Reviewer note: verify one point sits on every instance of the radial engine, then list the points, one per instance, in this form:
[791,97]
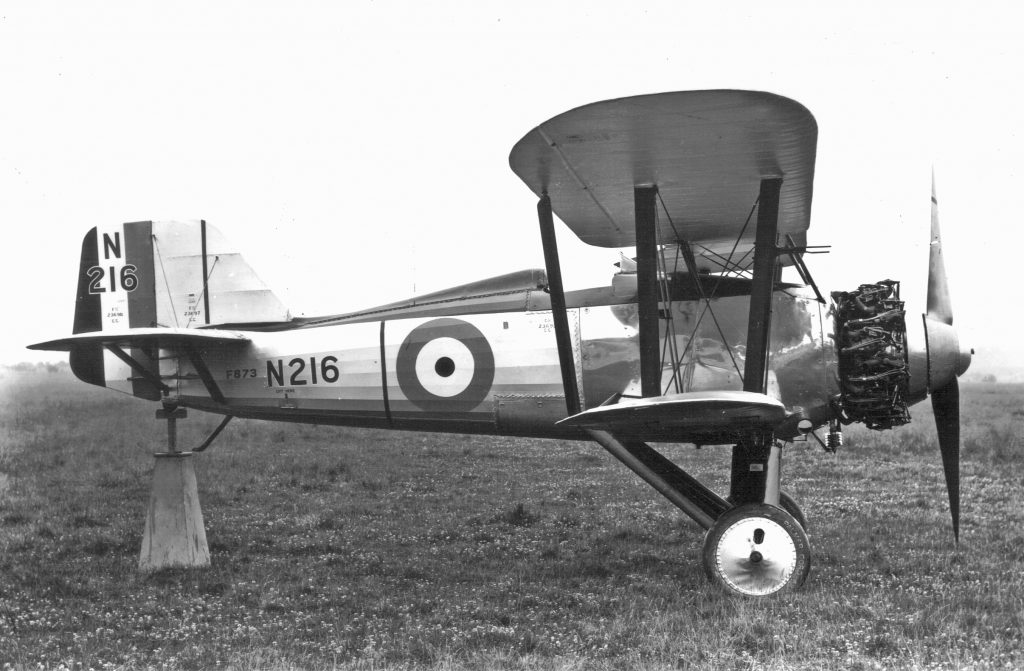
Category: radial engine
[874,367]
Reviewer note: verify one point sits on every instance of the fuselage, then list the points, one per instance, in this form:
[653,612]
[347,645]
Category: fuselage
[483,359]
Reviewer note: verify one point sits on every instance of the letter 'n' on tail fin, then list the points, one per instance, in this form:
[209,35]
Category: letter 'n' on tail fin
[152,274]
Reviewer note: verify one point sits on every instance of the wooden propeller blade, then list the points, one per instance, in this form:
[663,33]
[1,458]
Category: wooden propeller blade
[946,404]
[940,307]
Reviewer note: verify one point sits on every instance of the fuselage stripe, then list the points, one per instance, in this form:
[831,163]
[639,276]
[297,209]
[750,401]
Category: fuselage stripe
[138,252]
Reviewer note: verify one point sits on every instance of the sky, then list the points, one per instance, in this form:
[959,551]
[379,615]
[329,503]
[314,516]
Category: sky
[357,152]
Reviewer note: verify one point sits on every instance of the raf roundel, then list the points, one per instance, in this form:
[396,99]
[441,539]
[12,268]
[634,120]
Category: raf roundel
[445,365]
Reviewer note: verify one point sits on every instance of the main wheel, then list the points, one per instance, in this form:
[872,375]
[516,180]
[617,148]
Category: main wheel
[757,550]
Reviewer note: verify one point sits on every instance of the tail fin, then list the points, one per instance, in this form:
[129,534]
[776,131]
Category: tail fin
[167,273]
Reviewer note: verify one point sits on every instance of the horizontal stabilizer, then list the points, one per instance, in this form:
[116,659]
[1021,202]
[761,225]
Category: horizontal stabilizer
[166,338]
[689,416]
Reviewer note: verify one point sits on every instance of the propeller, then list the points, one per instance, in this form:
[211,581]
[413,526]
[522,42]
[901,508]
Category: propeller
[946,361]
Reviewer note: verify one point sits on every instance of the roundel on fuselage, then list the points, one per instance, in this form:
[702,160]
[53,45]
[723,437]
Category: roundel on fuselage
[445,365]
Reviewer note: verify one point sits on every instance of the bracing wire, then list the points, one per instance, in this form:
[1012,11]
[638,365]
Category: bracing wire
[670,330]
[707,309]
[206,283]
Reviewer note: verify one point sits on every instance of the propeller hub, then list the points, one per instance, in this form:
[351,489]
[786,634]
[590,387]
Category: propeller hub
[964,360]
[936,356]
[943,353]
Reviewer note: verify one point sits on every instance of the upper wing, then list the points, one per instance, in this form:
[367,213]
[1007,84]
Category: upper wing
[706,151]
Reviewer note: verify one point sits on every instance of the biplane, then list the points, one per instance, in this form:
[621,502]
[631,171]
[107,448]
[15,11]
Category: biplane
[697,338]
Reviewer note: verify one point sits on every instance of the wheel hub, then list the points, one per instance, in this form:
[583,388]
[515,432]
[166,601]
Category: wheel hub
[752,567]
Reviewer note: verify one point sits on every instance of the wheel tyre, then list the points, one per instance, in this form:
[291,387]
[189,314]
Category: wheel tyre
[787,503]
[757,550]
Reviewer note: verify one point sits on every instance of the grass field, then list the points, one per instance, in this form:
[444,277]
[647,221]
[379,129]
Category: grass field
[345,548]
